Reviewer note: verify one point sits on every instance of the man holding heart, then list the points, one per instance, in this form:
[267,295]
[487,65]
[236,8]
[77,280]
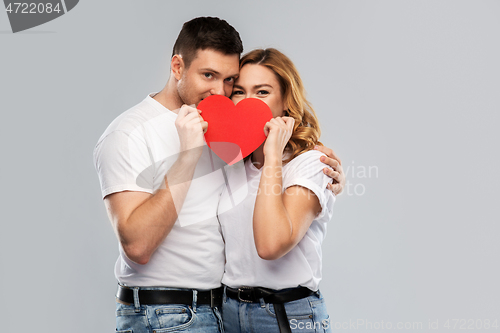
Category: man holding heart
[161,184]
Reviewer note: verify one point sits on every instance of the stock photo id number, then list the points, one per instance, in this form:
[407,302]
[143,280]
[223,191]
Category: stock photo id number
[26,15]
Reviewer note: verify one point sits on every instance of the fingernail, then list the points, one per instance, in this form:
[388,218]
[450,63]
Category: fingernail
[322,158]
[316,147]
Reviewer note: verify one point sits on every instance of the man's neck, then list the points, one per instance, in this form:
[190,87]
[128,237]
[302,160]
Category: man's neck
[169,97]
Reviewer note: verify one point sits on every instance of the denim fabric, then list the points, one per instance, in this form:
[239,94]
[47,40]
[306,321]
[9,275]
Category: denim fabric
[305,315]
[169,318]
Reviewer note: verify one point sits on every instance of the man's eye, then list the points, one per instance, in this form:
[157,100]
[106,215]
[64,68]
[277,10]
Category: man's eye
[230,80]
[209,75]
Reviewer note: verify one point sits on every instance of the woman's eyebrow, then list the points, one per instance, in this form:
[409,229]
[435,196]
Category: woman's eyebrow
[258,86]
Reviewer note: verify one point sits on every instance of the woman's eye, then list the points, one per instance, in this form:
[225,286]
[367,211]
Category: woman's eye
[262,92]
[238,92]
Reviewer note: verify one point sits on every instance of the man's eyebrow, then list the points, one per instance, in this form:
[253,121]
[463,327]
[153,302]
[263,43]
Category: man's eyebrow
[209,70]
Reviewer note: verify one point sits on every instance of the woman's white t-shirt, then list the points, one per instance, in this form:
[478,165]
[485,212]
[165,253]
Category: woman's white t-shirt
[299,267]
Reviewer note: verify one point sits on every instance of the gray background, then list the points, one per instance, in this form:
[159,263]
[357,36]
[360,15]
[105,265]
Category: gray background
[409,88]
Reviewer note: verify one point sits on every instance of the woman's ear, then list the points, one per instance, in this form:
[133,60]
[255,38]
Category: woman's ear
[177,66]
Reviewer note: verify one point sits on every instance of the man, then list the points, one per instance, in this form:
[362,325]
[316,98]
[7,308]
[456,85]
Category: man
[161,185]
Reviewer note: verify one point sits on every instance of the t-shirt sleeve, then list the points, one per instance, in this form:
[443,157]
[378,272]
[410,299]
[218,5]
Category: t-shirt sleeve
[306,170]
[123,163]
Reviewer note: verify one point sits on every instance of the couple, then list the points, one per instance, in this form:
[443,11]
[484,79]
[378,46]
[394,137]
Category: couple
[179,236]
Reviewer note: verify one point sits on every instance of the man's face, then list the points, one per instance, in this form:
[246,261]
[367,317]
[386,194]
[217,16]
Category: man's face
[210,73]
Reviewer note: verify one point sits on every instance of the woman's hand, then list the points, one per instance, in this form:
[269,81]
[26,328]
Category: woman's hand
[278,131]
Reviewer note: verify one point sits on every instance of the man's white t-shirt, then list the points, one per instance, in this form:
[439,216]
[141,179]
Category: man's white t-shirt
[299,267]
[134,154]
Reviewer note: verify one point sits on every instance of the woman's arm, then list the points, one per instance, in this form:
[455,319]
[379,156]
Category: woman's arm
[280,220]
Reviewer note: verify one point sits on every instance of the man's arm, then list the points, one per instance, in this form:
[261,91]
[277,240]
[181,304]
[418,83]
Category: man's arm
[141,220]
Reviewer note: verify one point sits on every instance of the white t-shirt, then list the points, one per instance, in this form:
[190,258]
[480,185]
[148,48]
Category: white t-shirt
[299,267]
[134,154]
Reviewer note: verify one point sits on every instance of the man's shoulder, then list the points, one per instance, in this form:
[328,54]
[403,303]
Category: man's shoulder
[134,117]
[137,119]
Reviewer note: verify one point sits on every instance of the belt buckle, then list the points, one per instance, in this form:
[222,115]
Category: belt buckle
[239,294]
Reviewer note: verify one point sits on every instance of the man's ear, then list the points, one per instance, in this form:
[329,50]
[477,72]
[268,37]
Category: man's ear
[177,66]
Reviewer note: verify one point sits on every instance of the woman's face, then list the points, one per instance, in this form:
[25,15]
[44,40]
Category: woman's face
[259,82]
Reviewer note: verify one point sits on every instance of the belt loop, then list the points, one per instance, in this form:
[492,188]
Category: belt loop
[224,296]
[195,299]
[262,303]
[136,299]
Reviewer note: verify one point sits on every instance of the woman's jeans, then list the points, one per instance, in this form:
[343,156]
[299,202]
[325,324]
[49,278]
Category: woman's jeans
[304,315]
[170,318]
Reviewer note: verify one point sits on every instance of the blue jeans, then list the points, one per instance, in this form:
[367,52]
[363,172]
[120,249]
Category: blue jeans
[169,318]
[304,315]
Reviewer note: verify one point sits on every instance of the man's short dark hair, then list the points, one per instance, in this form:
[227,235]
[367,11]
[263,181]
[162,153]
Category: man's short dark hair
[206,33]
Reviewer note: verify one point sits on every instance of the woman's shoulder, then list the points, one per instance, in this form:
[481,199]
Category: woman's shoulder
[306,170]
[306,165]
[310,157]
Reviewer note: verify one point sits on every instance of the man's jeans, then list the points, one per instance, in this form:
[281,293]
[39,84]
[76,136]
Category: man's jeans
[162,318]
[304,315]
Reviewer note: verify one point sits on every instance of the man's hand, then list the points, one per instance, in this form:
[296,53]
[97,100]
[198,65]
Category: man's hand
[191,127]
[337,174]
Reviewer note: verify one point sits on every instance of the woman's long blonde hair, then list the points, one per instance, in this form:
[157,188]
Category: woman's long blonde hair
[306,131]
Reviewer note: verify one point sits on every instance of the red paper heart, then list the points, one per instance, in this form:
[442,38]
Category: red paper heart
[234,131]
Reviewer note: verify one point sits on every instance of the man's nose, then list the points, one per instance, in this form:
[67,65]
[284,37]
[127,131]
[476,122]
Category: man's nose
[218,88]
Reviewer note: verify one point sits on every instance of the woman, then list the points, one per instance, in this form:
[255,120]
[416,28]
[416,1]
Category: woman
[273,237]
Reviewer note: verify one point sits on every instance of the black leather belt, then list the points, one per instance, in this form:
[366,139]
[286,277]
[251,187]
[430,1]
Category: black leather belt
[254,294]
[211,297]
[277,298]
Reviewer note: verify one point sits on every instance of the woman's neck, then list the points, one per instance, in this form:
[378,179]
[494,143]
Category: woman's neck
[258,157]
